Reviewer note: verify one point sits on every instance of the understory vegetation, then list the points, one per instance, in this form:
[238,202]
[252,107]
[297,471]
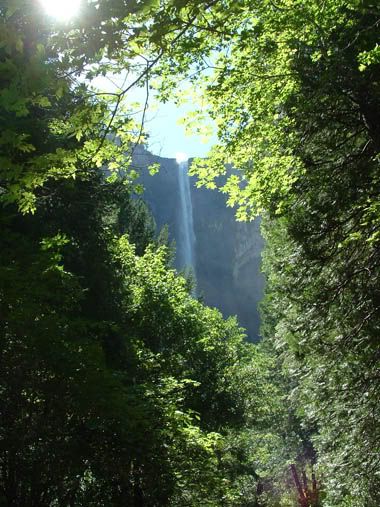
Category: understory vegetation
[117,386]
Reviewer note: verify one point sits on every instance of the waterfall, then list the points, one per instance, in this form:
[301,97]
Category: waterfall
[186,256]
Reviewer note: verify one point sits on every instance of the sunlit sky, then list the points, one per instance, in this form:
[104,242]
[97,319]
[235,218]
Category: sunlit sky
[167,136]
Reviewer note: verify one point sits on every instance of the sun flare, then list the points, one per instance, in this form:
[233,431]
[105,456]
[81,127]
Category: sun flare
[61,9]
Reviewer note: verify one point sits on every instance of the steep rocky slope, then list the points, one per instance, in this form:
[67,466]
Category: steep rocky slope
[227,253]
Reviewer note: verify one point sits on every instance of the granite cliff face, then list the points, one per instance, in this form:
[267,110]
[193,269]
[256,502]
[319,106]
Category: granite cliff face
[227,254]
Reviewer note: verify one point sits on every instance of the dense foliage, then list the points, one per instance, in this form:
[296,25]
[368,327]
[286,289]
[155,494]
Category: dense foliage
[295,95]
[117,387]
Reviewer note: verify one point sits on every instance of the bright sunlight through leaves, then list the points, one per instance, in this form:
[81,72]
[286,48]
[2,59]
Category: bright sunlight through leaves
[61,9]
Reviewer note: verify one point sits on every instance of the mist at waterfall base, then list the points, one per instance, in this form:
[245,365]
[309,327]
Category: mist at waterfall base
[221,254]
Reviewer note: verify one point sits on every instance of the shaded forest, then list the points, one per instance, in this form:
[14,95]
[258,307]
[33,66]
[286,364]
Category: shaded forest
[117,386]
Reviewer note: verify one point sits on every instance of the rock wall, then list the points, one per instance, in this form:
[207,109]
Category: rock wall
[227,253]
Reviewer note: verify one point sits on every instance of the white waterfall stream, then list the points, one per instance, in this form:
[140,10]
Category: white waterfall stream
[186,254]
